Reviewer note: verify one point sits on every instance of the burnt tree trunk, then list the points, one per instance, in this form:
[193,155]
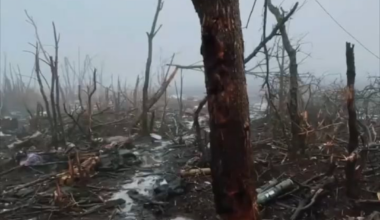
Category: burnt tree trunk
[231,154]
[351,178]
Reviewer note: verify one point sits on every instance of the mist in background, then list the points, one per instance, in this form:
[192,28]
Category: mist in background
[113,33]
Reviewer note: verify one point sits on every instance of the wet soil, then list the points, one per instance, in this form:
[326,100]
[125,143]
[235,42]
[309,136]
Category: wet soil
[163,161]
[272,163]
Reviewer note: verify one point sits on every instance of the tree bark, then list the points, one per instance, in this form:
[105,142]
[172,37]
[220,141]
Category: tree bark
[352,182]
[231,164]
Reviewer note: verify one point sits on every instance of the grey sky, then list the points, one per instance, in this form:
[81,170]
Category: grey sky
[114,32]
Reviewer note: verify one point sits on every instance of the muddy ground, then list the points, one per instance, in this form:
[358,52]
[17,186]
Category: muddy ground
[153,188]
[197,202]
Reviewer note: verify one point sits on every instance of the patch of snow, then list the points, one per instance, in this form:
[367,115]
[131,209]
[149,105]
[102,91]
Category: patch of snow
[177,97]
[155,136]
[260,106]
[141,182]
[4,135]
[143,185]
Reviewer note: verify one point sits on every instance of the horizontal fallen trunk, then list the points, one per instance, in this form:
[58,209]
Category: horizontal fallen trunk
[204,171]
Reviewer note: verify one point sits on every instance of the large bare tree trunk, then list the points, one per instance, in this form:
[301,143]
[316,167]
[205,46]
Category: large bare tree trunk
[231,163]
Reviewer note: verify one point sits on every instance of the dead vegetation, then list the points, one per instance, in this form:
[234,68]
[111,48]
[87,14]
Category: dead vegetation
[311,153]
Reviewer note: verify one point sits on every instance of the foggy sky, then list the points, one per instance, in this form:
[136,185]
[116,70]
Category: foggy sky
[114,32]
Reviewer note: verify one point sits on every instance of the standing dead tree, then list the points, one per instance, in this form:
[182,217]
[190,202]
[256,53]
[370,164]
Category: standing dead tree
[58,135]
[83,118]
[202,148]
[39,79]
[179,94]
[270,95]
[90,93]
[153,32]
[352,182]
[281,64]
[54,71]
[135,91]
[161,79]
[298,137]
[231,164]
[156,96]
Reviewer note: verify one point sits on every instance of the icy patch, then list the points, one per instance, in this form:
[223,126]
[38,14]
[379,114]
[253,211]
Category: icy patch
[163,145]
[4,135]
[260,106]
[148,160]
[143,185]
[156,136]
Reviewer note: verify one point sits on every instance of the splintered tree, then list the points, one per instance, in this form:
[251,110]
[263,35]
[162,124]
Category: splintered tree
[222,50]
[352,182]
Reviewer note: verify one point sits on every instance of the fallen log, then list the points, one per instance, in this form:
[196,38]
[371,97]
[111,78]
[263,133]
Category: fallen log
[25,142]
[204,171]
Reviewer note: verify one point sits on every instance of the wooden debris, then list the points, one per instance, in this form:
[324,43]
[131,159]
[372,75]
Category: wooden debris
[200,171]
